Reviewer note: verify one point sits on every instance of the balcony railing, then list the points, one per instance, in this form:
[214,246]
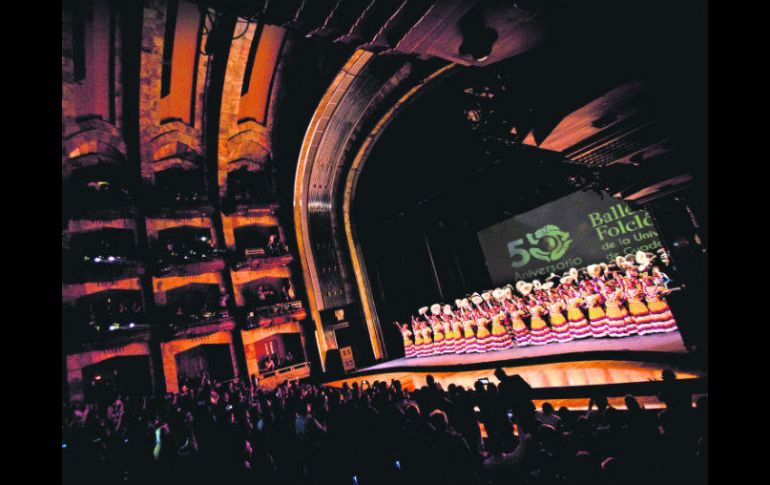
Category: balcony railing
[257,257]
[77,268]
[160,199]
[176,261]
[86,200]
[267,316]
[251,197]
[105,331]
[178,322]
[271,379]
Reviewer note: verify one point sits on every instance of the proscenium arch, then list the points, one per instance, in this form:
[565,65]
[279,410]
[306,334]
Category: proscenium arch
[361,101]
[351,183]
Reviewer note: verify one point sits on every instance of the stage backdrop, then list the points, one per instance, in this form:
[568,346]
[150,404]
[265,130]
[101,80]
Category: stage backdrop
[574,231]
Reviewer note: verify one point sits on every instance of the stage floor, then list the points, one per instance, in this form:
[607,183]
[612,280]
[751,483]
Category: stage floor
[581,363]
[662,342]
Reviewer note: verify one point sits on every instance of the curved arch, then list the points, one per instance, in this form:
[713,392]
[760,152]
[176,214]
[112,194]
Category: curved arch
[247,153]
[351,182]
[315,131]
[91,153]
[362,90]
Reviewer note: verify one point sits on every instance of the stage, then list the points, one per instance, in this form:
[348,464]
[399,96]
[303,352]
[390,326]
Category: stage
[569,370]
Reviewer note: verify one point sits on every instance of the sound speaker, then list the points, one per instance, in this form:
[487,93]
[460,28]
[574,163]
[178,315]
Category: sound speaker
[334,362]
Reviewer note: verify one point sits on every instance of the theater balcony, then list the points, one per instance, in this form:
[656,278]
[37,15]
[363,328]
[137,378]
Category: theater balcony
[258,246]
[266,298]
[98,191]
[100,251]
[248,187]
[194,309]
[177,190]
[185,250]
[279,357]
[105,319]
[274,315]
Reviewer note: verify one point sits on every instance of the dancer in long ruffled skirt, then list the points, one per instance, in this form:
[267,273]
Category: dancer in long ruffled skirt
[459,337]
[597,319]
[501,338]
[470,337]
[559,324]
[439,342]
[662,318]
[427,340]
[616,317]
[641,321]
[409,351]
[419,345]
[520,330]
[539,331]
[446,326]
[484,340]
[500,334]
[578,324]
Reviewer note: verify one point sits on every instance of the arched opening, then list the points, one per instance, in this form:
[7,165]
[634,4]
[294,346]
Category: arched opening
[180,186]
[504,139]
[101,186]
[194,304]
[103,253]
[514,137]
[213,360]
[278,352]
[184,244]
[104,316]
[117,376]
[250,183]
[255,240]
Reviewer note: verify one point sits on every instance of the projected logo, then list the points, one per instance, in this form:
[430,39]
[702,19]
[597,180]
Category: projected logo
[549,243]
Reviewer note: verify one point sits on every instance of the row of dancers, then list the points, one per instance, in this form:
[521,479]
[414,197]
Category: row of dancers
[619,299]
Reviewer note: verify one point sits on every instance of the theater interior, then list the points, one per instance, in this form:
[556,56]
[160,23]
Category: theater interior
[256,190]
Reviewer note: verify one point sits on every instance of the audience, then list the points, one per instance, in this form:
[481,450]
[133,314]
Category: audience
[215,432]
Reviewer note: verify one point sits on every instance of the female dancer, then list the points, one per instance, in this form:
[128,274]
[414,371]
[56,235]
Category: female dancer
[407,335]
[597,319]
[662,318]
[559,325]
[639,315]
[437,330]
[469,336]
[484,341]
[500,336]
[439,340]
[520,330]
[578,325]
[457,332]
[419,345]
[427,340]
[616,317]
[539,332]
[446,325]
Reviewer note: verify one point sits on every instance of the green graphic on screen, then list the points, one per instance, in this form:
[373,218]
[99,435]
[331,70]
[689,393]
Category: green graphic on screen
[574,231]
